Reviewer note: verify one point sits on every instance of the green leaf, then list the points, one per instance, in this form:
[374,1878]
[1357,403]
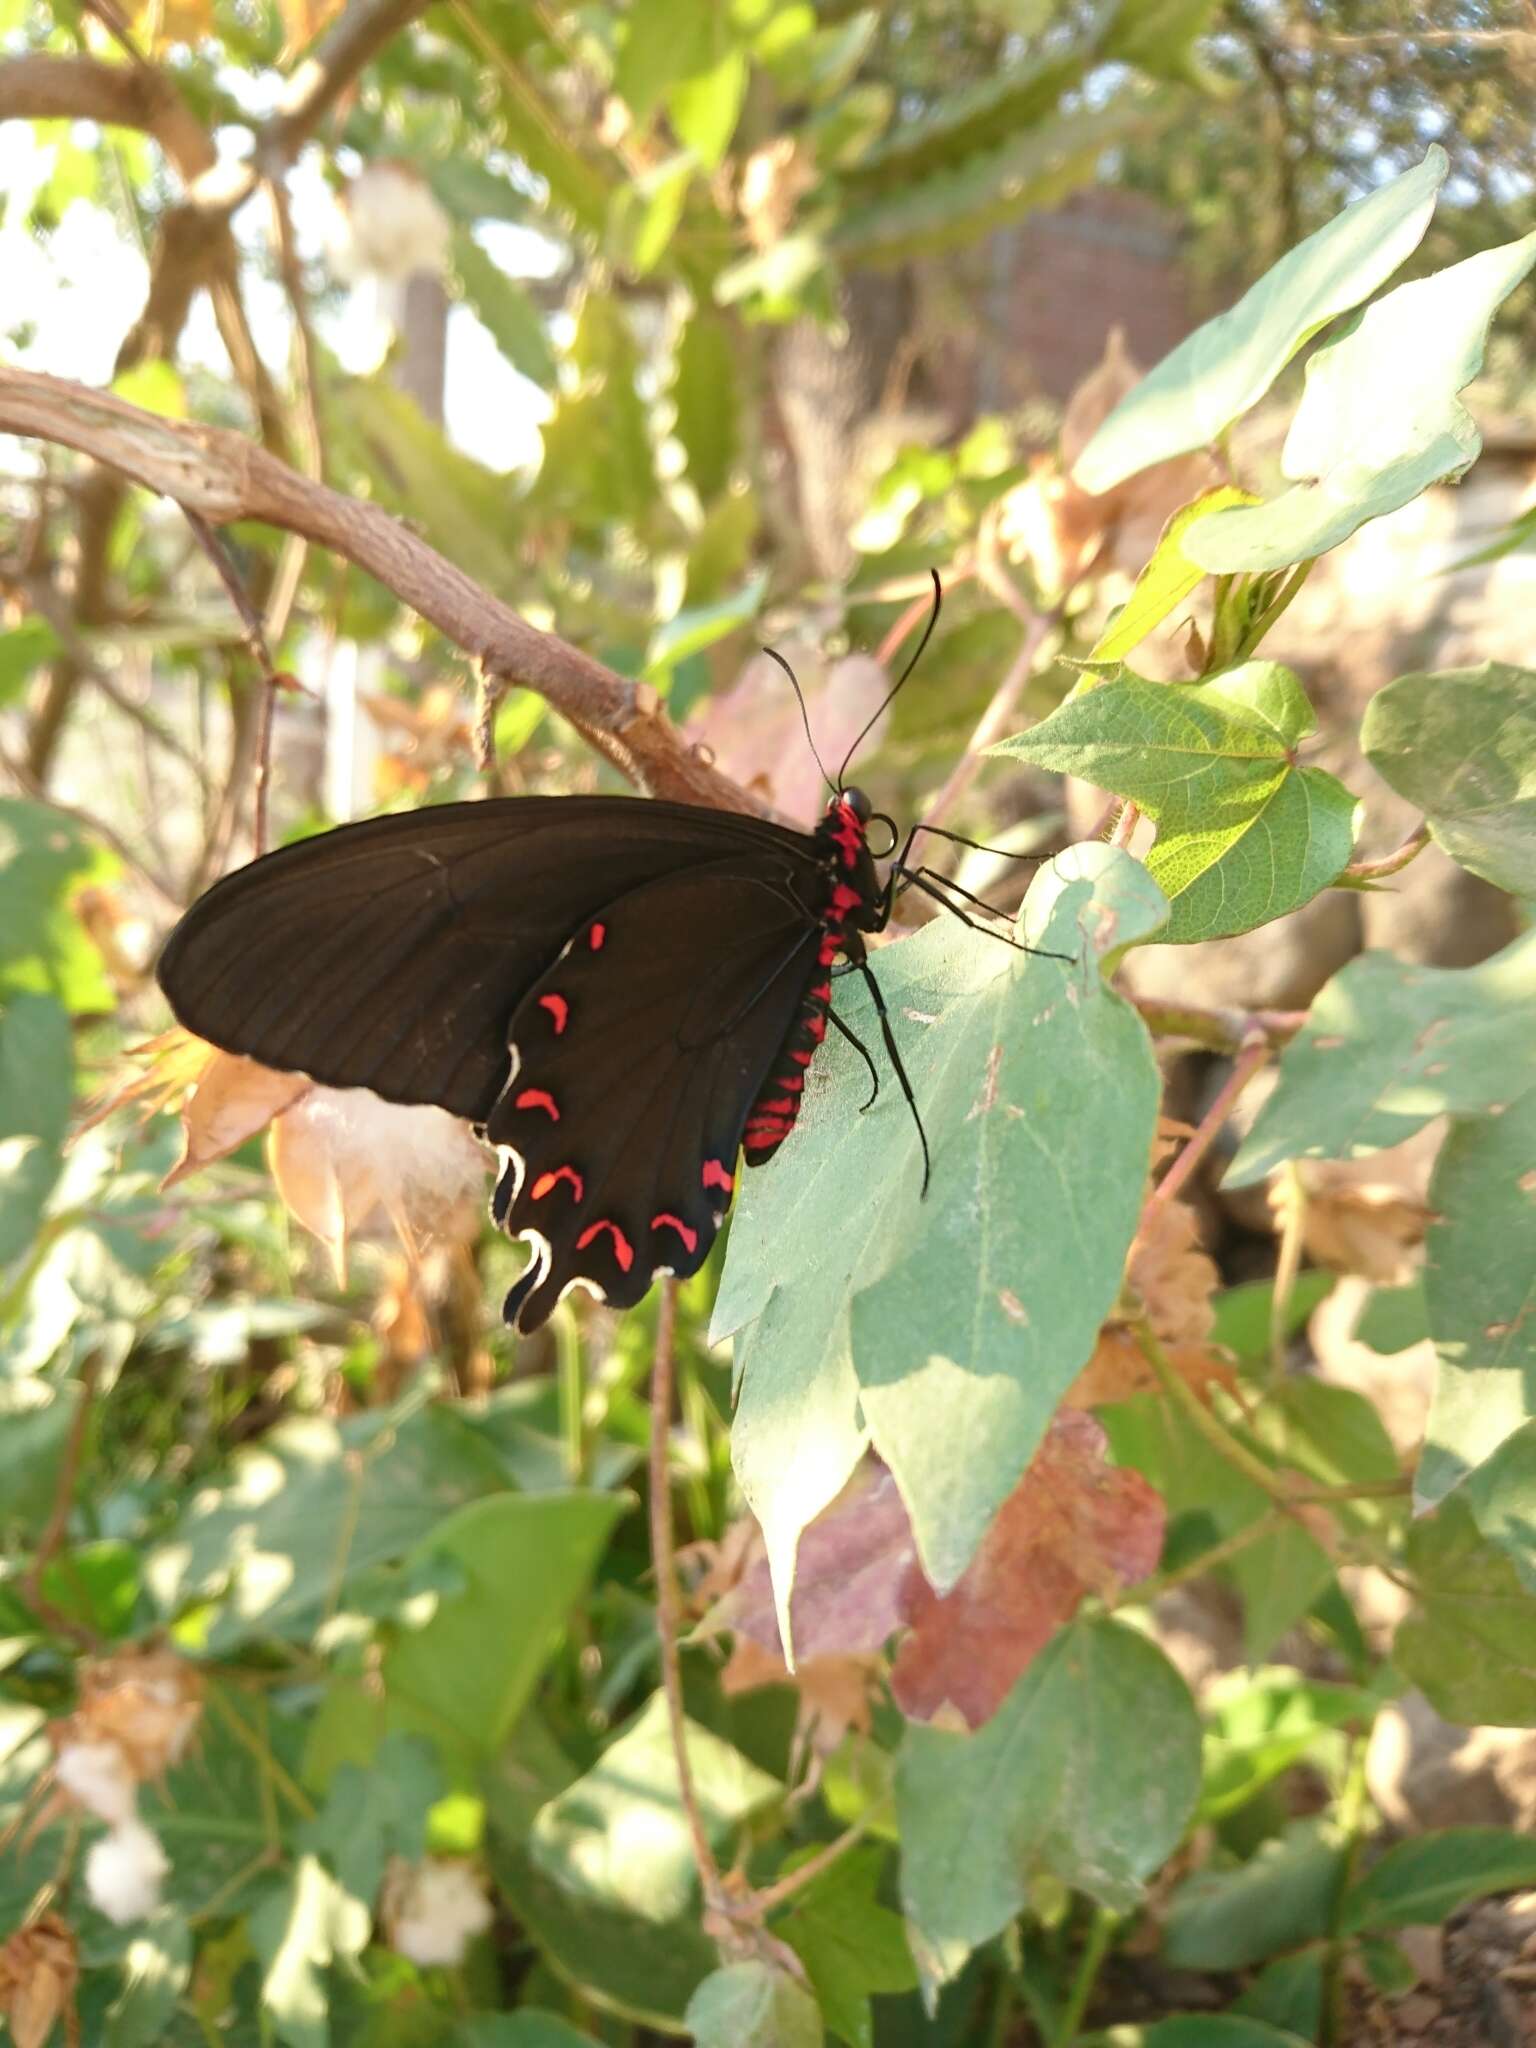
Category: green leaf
[1211,2030]
[1460,744]
[1387,1046]
[1480,1291]
[1501,1494]
[1244,834]
[850,1944]
[956,1323]
[1421,1882]
[297,1932]
[1467,1644]
[1212,378]
[523,2029]
[316,1504]
[691,631]
[662,43]
[1158,37]
[598,464]
[1243,1312]
[505,308]
[1379,420]
[753,2005]
[373,1814]
[619,1835]
[643,215]
[1394,1319]
[156,1966]
[37,1073]
[1287,1994]
[1280,1898]
[705,106]
[526,1559]
[706,401]
[35,1421]
[24,649]
[45,859]
[1163,584]
[1088,1773]
[1259,1723]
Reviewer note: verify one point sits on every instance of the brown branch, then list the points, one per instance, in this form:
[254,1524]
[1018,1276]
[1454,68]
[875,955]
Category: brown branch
[44,87]
[1249,1060]
[350,45]
[226,477]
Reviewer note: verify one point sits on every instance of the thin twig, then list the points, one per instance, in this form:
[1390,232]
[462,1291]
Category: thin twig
[1390,864]
[1248,1062]
[772,1896]
[668,1604]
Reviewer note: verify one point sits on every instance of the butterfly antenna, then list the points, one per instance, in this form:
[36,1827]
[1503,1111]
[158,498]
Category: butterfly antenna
[805,717]
[933,620]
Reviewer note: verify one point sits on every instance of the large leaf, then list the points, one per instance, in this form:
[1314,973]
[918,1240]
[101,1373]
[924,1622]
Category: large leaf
[1502,1494]
[525,1559]
[1163,584]
[1387,1046]
[1244,834]
[1467,1642]
[506,308]
[1088,1774]
[310,1509]
[957,1322]
[1227,1919]
[1480,1291]
[37,1070]
[45,860]
[1379,420]
[619,1837]
[1422,1882]
[1460,743]
[1223,368]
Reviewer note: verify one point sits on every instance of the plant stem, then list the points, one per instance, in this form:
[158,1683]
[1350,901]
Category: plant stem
[1249,1060]
[1125,824]
[1225,1031]
[1101,1933]
[1389,864]
[772,1896]
[572,1394]
[1287,1268]
[663,1561]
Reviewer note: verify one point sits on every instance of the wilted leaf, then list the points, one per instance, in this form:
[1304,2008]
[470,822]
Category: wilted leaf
[836,1694]
[1365,1216]
[1244,834]
[1227,365]
[1460,745]
[1073,1526]
[39,1971]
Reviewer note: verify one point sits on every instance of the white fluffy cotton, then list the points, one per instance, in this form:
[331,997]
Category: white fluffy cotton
[96,1776]
[124,1870]
[441,1907]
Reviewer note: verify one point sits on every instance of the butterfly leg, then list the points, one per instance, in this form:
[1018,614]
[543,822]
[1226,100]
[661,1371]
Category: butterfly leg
[863,1052]
[932,885]
[894,1054]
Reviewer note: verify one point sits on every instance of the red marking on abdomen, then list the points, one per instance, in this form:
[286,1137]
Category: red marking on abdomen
[715,1175]
[547,1181]
[623,1250]
[690,1237]
[558,1008]
[537,1098]
[596,936]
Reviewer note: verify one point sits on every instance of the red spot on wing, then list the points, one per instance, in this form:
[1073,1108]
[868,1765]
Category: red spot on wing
[689,1236]
[623,1250]
[799,1056]
[715,1175]
[537,1098]
[596,936]
[559,1010]
[548,1181]
[844,899]
[822,992]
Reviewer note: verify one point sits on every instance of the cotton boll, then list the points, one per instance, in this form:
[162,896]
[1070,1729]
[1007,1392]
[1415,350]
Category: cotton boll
[434,1909]
[96,1776]
[392,227]
[123,1872]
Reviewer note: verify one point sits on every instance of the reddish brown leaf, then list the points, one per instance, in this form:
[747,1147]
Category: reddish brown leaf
[836,1693]
[1171,1276]
[853,1562]
[1119,1368]
[1072,1526]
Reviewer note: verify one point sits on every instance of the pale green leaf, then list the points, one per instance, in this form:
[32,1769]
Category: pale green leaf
[643,214]
[1088,1773]
[956,1322]
[1467,1644]
[1460,744]
[1421,1882]
[1244,834]
[24,649]
[619,1836]
[691,631]
[1379,420]
[706,401]
[1480,1292]
[505,308]
[1226,366]
[850,1944]
[37,1071]
[662,43]
[1163,584]
[1388,1045]
[35,1421]
[1159,37]
[373,1813]
[753,2005]
[45,860]
[705,107]
[1278,1899]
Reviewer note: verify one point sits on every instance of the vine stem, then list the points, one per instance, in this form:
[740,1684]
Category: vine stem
[1253,1056]
[664,1562]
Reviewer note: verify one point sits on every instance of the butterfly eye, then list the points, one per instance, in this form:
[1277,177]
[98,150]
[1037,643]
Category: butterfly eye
[859,804]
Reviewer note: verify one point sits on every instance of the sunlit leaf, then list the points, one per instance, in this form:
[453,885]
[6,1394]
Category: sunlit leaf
[753,2005]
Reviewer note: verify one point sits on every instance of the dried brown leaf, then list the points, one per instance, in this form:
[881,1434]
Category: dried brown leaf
[146,1703]
[39,1970]
[1118,1369]
[223,1099]
[1074,1525]
[1171,1276]
[1365,1216]
[837,1694]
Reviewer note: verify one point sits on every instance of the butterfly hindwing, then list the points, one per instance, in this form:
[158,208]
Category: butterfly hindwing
[636,1060]
[392,954]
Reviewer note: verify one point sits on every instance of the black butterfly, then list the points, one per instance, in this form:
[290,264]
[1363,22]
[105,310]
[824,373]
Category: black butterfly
[623,994]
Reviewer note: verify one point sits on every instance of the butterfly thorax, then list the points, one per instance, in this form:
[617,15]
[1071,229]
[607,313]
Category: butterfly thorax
[852,907]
